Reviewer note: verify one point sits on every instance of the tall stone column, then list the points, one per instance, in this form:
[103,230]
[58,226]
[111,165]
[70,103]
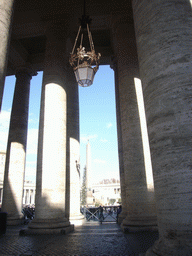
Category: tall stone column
[24,196]
[32,196]
[73,156]
[6,10]
[16,148]
[123,214]
[51,159]
[1,195]
[28,196]
[163,33]
[141,210]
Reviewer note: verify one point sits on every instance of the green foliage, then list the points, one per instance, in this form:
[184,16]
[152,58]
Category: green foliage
[119,200]
[112,201]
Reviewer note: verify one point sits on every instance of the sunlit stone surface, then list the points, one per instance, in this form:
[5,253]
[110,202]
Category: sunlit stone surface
[123,214]
[73,155]
[165,50]
[6,10]
[16,148]
[163,34]
[51,161]
[140,202]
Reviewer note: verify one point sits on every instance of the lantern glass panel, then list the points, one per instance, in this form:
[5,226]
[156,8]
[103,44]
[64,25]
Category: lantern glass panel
[84,76]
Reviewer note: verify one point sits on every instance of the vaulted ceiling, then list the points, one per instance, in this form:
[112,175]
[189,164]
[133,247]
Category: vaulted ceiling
[30,21]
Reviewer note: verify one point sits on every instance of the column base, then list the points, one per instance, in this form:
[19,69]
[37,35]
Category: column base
[121,217]
[142,224]
[14,220]
[169,246]
[77,220]
[49,226]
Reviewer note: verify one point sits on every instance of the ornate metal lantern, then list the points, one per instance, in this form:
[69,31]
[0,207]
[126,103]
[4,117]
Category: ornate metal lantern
[85,63]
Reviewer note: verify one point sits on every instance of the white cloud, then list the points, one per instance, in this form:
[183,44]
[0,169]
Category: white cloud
[103,140]
[4,128]
[5,117]
[32,119]
[31,163]
[84,138]
[32,140]
[32,137]
[99,161]
[109,125]
[30,171]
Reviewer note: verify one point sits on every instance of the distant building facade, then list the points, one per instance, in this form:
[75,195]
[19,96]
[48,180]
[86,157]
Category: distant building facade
[2,166]
[106,194]
[29,189]
[149,46]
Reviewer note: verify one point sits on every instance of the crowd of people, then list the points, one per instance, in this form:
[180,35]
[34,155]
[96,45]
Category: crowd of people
[28,213]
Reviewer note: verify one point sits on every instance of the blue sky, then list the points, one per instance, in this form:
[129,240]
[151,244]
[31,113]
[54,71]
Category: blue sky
[97,123]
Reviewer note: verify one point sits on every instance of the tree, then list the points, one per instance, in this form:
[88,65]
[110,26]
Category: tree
[84,189]
[119,200]
[112,201]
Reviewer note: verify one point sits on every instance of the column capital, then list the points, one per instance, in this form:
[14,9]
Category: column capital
[113,64]
[27,70]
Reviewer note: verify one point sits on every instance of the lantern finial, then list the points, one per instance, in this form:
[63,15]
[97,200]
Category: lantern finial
[85,63]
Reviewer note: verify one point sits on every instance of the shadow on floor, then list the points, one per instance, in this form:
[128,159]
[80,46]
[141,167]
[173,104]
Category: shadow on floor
[92,238]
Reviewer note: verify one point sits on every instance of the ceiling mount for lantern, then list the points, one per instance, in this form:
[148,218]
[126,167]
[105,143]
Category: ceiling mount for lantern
[85,63]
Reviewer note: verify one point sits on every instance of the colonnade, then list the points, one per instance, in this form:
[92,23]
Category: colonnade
[139,200]
[6,8]
[1,195]
[16,147]
[28,196]
[157,50]
[163,35]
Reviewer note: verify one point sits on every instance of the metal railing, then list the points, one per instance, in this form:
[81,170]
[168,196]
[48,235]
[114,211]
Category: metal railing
[102,213]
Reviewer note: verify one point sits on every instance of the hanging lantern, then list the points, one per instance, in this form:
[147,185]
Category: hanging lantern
[85,64]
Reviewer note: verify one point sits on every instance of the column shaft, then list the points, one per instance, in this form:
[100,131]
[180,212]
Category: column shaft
[73,172]
[140,204]
[32,197]
[51,160]
[24,196]
[123,214]
[6,7]
[1,195]
[163,33]
[16,148]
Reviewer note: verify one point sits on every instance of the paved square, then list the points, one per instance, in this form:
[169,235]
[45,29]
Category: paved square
[92,238]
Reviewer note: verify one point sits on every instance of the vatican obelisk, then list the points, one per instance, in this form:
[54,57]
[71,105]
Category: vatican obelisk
[88,175]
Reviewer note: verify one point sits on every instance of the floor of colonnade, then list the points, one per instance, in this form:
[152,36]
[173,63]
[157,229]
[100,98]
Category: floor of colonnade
[92,238]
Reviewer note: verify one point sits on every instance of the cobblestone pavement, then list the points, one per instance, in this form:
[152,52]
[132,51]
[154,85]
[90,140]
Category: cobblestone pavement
[92,238]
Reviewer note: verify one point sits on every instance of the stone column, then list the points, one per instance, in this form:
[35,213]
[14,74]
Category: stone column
[24,196]
[6,10]
[163,33]
[141,211]
[51,159]
[123,214]
[32,196]
[1,195]
[16,148]
[28,196]
[73,157]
